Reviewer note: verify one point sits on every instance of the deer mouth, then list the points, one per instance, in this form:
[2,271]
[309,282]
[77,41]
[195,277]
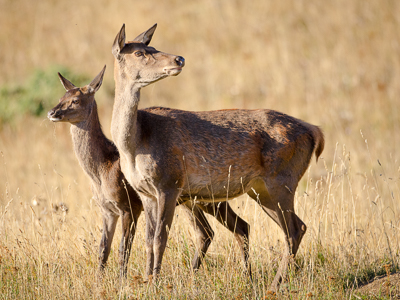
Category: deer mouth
[53,117]
[172,71]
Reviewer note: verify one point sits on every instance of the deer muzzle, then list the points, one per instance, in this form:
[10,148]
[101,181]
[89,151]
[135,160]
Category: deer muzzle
[173,71]
[54,115]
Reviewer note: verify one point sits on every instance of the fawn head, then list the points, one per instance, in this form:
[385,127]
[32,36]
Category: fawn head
[76,105]
[137,62]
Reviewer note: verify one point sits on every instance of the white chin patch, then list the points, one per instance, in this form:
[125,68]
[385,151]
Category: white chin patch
[173,72]
[55,119]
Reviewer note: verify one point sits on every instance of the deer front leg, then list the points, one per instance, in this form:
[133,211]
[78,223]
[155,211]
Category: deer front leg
[109,224]
[150,210]
[166,207]
[129,222]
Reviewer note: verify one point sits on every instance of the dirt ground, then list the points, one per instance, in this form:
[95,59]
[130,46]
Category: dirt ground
[380,288]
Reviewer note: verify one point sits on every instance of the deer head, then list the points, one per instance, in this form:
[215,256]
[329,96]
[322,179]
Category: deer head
[140,64]
[76,105]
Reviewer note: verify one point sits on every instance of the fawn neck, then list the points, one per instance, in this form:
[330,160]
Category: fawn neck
[92,148]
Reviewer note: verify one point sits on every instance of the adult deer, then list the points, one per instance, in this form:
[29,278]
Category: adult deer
[168,154]
[99,158]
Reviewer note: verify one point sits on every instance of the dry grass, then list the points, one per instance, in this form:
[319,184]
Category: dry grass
[334,64]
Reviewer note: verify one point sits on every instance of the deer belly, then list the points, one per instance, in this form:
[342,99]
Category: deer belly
[209,189]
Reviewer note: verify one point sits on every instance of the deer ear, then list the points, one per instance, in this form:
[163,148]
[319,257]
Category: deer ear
[145,37]
[119,42]
[68,85]
[97,81]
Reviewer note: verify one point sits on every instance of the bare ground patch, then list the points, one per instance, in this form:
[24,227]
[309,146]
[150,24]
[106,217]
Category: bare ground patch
[387,287]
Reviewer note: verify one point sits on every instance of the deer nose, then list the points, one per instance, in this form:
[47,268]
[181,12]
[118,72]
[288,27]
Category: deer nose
[53,114]
[50,113]
[180,61]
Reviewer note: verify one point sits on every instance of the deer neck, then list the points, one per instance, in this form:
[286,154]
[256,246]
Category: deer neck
[125,129]
[92,148]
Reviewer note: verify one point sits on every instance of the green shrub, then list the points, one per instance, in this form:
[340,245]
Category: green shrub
[37,94]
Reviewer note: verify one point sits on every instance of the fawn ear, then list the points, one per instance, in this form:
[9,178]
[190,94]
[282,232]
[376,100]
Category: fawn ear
[145,37]
[97,81]
[68,85]
[119,42]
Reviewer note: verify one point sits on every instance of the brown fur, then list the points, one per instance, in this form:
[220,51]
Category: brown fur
[99,158]
[223,154]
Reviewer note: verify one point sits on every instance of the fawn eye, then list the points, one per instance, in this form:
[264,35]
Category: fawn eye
[139,53]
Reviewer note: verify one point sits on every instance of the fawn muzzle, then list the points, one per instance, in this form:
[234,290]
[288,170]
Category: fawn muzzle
[54,115]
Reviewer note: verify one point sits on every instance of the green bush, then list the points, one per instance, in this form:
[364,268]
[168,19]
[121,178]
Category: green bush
[37,94]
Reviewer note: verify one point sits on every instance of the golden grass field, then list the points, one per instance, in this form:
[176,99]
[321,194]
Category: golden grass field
[335,64]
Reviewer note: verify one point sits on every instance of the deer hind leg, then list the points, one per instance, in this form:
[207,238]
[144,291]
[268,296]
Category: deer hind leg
[224,213]
[129,223]
[203,232]
[294,230]
[279,205]
[109,224]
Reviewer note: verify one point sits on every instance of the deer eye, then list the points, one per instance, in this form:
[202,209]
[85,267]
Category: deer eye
[139,53]
[76,101]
